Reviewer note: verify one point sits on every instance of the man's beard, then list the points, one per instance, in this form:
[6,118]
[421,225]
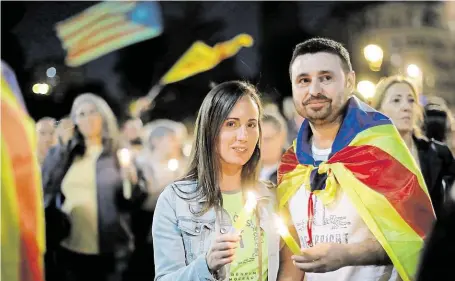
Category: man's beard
[329,113]
[317,116]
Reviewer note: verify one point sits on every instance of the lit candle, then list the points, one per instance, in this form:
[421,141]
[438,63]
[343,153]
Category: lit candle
[287,237]
[245,214]
[125,160]
[173,164]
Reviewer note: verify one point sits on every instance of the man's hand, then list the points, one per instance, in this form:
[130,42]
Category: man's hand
[322,258]
[328,257]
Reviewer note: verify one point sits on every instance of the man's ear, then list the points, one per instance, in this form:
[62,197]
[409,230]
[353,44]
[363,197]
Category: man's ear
[350,81]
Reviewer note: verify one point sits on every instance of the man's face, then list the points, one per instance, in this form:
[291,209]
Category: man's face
[46,135]
[320,87]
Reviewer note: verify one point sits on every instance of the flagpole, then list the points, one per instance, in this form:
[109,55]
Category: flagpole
[154,92]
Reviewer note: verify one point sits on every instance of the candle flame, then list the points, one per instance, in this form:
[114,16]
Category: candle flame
[124,157]
[251,202]
[282,229]
[173,164]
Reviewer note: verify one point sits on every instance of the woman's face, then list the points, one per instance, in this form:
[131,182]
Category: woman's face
[399,104]
[239,134]
[89,120]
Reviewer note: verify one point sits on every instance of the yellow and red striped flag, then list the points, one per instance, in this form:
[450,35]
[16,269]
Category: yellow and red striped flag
[22,211]
[106,27]
[200,57]
[372,165]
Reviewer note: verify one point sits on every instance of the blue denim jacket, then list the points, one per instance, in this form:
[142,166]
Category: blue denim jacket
[182,239]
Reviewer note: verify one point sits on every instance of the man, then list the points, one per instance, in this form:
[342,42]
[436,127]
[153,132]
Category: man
[45,127]
[65,130]
[356,197]
[131,134]
[274,133]
[434,264]
[294,120]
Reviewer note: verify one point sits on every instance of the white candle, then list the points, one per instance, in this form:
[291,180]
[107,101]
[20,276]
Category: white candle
[287,237]
[246,212]
[124,157]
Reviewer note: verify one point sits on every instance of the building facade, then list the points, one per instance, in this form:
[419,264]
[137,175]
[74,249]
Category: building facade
[409,33]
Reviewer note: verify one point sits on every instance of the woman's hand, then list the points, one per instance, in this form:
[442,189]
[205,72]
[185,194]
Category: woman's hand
[222,251]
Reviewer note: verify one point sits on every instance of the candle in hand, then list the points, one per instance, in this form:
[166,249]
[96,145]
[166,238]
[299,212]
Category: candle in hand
[173,164]
[287,237]
[125,161]
[245,214]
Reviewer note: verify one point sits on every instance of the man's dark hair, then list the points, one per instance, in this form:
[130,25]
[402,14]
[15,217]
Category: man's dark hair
[324,45]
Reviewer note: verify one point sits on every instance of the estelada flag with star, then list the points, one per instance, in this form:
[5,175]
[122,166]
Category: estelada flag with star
[106,27]
[372,165]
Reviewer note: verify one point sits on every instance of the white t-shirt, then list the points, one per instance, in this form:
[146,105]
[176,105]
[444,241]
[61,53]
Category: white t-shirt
[267,171]
[338,222]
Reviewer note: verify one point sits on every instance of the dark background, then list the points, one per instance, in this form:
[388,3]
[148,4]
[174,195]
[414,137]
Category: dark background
[30,46]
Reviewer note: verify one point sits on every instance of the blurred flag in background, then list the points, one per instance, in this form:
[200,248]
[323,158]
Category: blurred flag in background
[107,27]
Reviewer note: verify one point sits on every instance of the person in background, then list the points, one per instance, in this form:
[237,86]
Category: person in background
[131,134]
[162,162]
[192,231]
[65,130]
[273,144]
[397,97]
[86,203]
[45,127]
[438,120]
[435,264]
[294,120]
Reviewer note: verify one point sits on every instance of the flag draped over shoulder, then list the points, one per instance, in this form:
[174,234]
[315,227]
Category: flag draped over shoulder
[22,211]
[200,57]
[106,27]
[372,165]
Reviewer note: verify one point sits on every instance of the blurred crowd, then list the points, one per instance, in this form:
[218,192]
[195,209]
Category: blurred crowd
[160,150]
[99,207]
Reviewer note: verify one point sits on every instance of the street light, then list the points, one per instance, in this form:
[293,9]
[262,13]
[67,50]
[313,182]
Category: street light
[413,71]
[40,88]
[366,89]
[374,55]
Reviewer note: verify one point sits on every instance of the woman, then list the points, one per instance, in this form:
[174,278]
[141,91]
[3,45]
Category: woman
[82,184]
[397,98]
[45,128]
[192,228]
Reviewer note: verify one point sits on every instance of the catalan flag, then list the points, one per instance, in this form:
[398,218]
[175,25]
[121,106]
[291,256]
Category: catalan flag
[106,27]
[22,211]
[200,57]
[372,165]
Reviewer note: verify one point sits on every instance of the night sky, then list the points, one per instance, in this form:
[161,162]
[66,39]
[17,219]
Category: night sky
[36,35]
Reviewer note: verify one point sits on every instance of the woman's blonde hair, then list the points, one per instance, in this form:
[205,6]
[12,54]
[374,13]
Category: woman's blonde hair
[380,93]
[110,133]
